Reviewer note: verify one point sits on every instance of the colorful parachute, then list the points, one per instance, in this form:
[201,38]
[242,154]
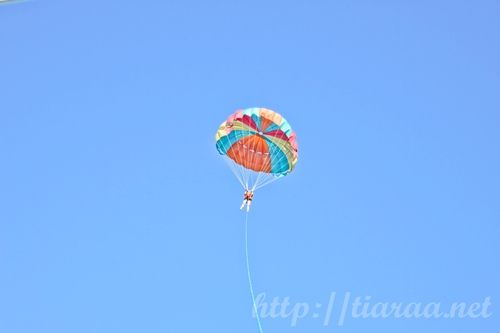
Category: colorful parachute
[259,146]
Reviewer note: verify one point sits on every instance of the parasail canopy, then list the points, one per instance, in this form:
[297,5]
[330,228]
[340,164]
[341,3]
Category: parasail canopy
[259,145]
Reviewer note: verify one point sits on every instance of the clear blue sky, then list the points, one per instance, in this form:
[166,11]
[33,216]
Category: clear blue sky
[117,214]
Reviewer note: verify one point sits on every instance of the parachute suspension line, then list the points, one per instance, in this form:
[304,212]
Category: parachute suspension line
[234,169]
[272,178]
[267,182]
[250,276]
[240,172]
[263,176]
[232,165]
[267,178]
[251,152]
[252,161]
[244,172]
[257,181]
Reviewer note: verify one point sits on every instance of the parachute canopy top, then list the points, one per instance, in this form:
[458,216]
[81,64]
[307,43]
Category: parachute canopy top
[259,145]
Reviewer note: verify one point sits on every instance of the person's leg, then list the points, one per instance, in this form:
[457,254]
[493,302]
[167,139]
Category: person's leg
[249,202]
[243,204]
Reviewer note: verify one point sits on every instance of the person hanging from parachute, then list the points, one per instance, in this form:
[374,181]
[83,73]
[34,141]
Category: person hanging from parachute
[247,200]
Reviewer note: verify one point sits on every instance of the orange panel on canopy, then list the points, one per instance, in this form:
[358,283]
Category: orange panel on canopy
[252,152]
